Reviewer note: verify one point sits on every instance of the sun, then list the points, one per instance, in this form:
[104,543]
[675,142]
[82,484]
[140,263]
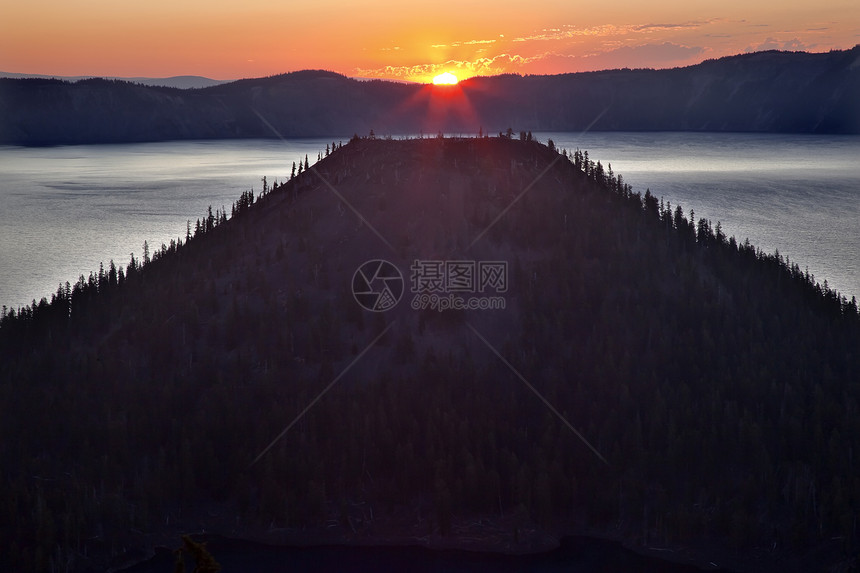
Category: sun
[445,79]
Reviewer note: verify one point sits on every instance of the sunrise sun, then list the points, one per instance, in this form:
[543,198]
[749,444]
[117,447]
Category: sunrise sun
[445,79]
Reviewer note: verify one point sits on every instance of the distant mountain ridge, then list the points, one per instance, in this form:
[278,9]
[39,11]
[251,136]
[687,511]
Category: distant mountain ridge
[784,92]
[180,82]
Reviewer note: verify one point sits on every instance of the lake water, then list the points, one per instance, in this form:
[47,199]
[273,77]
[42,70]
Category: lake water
[64,210]
[798,194]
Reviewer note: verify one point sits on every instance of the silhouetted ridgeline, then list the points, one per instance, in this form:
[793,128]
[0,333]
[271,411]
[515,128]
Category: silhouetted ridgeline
[767,92]
[182,82]
[718,382]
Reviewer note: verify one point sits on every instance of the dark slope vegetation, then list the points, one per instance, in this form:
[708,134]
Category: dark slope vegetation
[718,382]
[768,91]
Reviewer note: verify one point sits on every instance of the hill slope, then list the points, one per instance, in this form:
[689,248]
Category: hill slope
[768,91]
[646,377]
[181,82]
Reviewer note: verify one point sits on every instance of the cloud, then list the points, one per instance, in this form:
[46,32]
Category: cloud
[568,31]
[796,45]
[485,66]
[562,49]
[792,45]
[692,24]
[472,43]
[643,56]
[662,55]
[466,43]
[769,44]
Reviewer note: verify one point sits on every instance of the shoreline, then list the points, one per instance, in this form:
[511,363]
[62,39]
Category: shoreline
[591,553]
[478,539]
[485,539]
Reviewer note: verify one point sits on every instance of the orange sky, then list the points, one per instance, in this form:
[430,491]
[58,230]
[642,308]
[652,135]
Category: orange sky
[403,39]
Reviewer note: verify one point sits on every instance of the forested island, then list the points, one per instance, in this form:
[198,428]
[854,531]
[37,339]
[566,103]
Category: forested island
[700,395]
[784,92]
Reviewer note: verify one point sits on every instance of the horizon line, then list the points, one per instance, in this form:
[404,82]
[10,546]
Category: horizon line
[217,81]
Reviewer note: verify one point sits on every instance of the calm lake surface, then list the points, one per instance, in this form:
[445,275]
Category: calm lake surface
[64,210]
[798,194]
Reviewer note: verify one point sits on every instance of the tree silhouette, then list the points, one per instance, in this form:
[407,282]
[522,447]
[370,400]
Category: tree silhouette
[204,562]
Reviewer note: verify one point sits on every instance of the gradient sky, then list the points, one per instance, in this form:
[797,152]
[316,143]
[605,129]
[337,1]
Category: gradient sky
[404,39]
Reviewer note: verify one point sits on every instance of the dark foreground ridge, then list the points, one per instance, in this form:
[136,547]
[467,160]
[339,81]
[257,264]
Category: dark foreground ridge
[763,92]
[717,382]
[581,554]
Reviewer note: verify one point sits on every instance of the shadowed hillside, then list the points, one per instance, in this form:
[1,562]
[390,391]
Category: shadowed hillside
[762,92]
[647,378]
